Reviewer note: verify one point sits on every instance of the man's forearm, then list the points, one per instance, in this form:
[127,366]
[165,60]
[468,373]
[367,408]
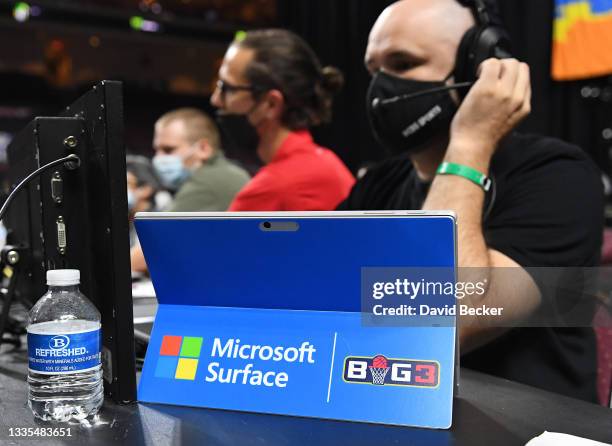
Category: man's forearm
[516,294]
[466,199]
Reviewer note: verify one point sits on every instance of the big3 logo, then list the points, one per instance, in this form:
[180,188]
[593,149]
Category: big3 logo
[379,370]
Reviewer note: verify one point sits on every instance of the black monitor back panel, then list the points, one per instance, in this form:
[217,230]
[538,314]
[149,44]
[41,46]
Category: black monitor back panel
[78,219]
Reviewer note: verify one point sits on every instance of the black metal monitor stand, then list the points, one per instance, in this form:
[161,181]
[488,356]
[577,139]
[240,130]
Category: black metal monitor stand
[78,219]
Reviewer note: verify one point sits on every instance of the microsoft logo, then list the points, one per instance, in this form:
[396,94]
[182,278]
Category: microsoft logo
[178,357]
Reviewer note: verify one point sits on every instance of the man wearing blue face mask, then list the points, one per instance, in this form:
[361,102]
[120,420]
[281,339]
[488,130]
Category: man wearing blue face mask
[189,161]
[444,100]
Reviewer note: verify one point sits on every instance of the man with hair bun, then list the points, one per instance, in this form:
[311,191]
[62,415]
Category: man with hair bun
[271,91]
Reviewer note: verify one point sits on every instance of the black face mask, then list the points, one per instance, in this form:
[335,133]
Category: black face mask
[408,124]
[238,131]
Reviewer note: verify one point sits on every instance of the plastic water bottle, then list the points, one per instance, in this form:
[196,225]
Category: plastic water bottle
[64,341]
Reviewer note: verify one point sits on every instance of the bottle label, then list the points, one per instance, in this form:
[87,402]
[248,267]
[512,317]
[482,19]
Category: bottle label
[53,354]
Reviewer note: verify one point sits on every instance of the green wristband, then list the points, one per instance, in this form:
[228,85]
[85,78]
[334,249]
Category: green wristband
[466,172]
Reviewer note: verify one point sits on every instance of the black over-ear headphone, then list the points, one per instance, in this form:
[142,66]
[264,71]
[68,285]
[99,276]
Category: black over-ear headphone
[484,40]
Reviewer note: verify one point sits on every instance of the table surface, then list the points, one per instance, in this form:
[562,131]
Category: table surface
[488,411]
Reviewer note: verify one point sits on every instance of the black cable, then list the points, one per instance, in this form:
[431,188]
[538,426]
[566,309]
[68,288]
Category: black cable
[72,161]
[377,102]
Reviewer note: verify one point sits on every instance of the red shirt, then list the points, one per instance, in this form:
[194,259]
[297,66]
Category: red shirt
[302,176]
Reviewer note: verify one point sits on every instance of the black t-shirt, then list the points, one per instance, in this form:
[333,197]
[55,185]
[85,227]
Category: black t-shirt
[546,210]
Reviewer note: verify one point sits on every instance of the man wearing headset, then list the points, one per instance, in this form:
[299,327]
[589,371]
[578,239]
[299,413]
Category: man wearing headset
[521,201]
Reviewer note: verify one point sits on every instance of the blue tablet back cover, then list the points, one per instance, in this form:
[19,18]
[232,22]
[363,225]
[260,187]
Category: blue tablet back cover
[232,262]
[224,282]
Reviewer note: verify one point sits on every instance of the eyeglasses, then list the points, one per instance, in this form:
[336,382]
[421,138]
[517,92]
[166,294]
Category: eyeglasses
[225,87]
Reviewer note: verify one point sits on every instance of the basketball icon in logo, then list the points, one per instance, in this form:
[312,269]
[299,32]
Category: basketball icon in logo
[379,369]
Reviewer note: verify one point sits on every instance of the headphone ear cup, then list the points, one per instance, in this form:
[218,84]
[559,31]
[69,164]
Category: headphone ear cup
[463,65]
[478,44]
[493,41]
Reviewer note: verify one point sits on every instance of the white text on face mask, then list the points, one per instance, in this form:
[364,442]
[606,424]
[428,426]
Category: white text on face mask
[422,121]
